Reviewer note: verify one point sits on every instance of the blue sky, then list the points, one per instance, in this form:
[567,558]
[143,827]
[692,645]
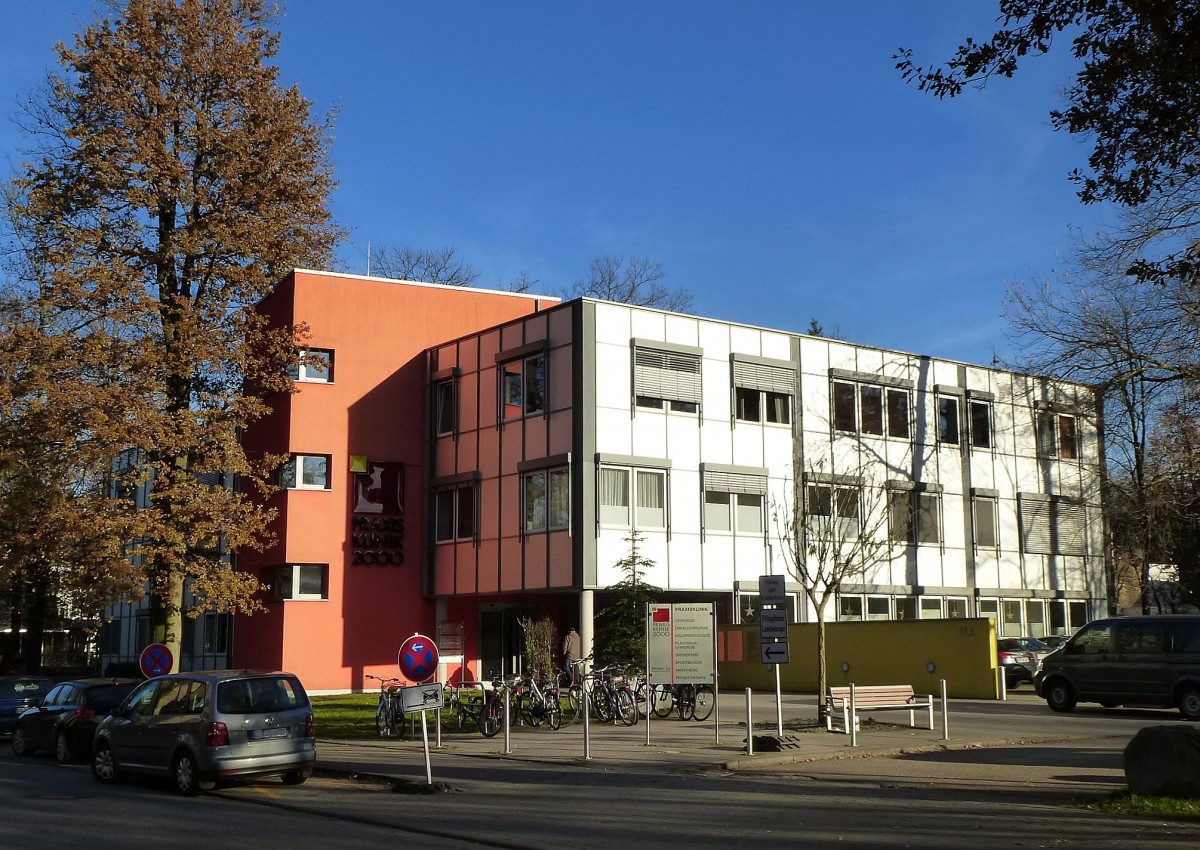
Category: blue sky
[766,152]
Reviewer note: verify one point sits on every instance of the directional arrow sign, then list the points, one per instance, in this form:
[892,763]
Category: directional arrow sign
[775,653]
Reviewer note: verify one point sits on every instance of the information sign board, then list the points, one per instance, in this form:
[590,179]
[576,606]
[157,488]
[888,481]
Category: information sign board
[422,697]
[681,643]
[772,590]
[773,624]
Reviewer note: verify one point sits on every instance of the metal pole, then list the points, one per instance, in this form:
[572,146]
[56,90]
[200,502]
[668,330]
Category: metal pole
[778,704]
[437,725]
[425,738]
[716,683]
[945,715]
[749,723]
[649,689]
[1003,683]
[853,724]
[587,731]
[507,733]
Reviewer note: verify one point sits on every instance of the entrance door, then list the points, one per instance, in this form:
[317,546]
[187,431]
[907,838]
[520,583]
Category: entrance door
[501,640]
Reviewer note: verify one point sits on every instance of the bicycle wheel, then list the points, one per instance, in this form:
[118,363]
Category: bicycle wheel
[553,711]
[382,724]
[704,702]
[490,718]
[531,710]
[685,701]
[575,701]
[663,700]
[640,697]
[624,708]
[601,707]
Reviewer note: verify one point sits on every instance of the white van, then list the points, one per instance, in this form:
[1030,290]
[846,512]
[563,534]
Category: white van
[1144,661]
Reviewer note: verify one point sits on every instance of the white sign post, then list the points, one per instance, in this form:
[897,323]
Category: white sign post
[773,633]
[681,648]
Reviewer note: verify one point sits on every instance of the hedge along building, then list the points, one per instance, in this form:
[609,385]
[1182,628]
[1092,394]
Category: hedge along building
[463,458]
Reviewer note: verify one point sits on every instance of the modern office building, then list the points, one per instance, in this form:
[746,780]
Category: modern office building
[465,458]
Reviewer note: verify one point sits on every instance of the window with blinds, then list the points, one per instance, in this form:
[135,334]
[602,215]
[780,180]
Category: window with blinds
[1052,525]
[763,389]
[667,376]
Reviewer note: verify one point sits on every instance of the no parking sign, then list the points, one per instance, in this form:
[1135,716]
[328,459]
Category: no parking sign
[156,660]
[418,659]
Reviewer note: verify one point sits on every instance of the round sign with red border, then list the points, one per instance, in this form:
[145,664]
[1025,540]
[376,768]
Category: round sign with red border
[418,659]
[156,660]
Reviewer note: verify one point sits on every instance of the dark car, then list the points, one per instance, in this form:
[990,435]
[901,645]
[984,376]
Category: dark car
[1016,660]
[201,727]
[18,693]
[65,722]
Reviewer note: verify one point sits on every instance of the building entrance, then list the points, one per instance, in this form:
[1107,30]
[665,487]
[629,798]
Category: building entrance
[501,640]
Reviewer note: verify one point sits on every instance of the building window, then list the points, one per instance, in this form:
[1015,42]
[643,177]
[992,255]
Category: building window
[523,386]
[763,389]
[547,500]
[299,581]
[987,526]
[931,607]
[454,514]
[1056,435]
[981,425]
[648,497]
[314,366]
[445,414]
[869,409]
[879,608]
[947,420]
[666,376]
[915,516]
[740,513]
[218,627]
[850,608]
[833,513]
[906,608]
[1052,525]
[305,472]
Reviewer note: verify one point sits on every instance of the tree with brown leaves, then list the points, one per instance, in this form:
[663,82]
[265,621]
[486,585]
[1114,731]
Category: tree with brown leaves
[174,183]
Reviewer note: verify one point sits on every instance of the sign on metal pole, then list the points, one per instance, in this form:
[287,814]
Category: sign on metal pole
[774,653]
[772,590]
[422,697]
[418,658]
[681,643]
[156,660]
[773,624]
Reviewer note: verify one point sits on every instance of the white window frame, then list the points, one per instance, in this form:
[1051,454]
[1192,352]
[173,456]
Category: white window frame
[291,579]
[445,407]
[320,371]
[990,506]
[637,501]
[822,523]
[906,509]
[949,420]
[1050,427]
[294,471]
[738,508]
[667,377]
[988,439]
[888,427]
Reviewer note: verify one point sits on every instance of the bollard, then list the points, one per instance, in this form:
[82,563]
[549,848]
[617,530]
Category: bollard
[507,735]
[945,715]
[1003,683]
[587,732]
[853,724]
[749,724]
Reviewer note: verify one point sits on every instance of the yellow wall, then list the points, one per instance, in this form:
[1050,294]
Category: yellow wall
[874,653]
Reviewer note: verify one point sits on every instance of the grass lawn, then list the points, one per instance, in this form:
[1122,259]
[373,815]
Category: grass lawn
[1124,803]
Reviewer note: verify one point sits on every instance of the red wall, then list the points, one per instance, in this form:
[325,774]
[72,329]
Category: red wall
[375,406]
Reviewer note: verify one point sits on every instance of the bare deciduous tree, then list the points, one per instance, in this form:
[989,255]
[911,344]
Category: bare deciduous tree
[441,265]
[833,530]
[630,280]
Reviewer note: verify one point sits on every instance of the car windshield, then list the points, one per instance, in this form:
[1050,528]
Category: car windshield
[260,695]
[23,688]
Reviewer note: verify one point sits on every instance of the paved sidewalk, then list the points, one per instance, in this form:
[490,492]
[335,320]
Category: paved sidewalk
[676,745]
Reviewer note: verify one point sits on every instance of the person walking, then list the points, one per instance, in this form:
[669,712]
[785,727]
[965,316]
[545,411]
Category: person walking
[571,649]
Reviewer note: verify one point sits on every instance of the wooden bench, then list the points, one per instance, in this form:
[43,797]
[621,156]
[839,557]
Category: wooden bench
[875,698]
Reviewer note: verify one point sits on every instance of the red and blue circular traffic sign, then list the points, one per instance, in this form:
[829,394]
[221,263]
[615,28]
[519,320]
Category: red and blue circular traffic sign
[418,659]
[156,660]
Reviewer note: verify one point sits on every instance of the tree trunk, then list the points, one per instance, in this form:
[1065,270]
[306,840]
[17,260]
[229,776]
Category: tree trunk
[166,618]
[822,673]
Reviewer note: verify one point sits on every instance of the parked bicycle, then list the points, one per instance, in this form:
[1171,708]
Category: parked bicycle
[477,703]
[389,713]
[537,702]
[611,696]
[691,702]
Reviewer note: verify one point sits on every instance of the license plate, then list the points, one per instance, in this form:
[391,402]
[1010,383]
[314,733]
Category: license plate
[261,734]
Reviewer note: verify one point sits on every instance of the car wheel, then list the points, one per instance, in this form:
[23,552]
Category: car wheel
[1189,702]
[1060,696]
[20,744]
[104,765]
[187,776]
[62,749]
[297,777]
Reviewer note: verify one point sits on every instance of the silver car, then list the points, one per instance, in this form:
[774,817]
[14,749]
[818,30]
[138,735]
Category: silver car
[202,727]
